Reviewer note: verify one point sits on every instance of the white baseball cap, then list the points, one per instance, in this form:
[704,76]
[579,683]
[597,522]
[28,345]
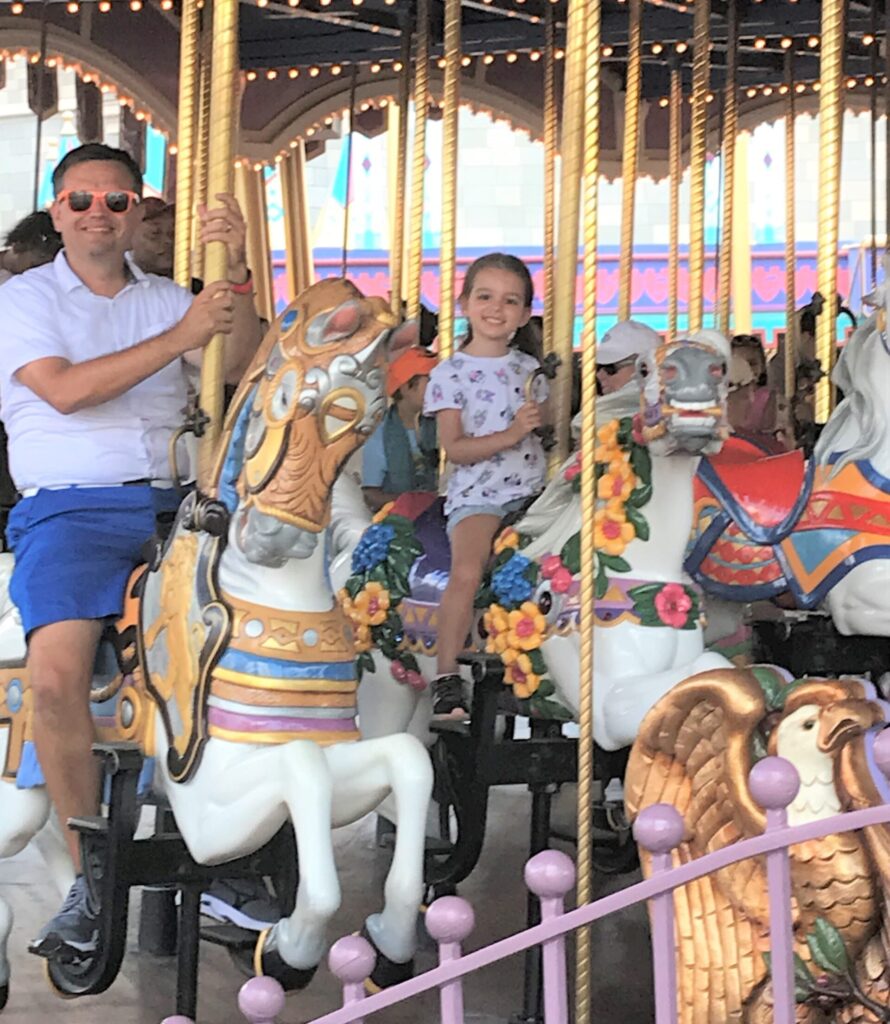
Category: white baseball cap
[624,340]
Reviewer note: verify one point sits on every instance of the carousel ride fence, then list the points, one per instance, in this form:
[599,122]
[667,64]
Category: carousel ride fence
[550,876]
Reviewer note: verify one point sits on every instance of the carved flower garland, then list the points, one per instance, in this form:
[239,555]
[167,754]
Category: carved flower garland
[373,593]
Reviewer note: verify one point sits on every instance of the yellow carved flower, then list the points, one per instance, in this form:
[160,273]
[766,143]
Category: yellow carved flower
[519,674]
[507,538]
[497,626]
[526,627]
[382,512]
[362,638]
[608,449]
[370,605]
[617,482]
[612,531]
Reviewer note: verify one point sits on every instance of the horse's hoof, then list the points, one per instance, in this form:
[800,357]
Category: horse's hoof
[4,995]
[269,963]
[386,972]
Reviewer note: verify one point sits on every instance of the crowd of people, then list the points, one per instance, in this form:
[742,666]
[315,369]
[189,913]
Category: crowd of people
[94,379]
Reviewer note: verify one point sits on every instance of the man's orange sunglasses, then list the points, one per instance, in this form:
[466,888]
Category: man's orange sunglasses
[80,200]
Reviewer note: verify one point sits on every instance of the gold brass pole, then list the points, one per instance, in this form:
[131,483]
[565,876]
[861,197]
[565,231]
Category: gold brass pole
[250,190]
[185,141]
[830,129]
[202,145]
[675,171]
[569,211]
[223,118]
[421,102]
[591,134]
[697,154]
[730,129]
[549,172]
[397,215]
[790,234]
[298,249]
[630,155]
[448,243]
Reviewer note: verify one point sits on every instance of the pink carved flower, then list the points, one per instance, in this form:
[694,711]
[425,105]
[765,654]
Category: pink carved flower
[550,566]
[570,472]
[673,605]
[637,429]
[562,581]
[415,680]
[398,671]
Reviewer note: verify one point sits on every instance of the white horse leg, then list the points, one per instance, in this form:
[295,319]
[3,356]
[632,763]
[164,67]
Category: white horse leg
[363,772]
[239,798]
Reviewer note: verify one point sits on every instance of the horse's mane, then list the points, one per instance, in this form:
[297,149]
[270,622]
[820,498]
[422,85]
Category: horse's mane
[862,374]
[553,518]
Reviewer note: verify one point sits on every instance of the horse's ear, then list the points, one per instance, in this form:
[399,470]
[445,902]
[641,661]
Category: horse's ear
[401,338]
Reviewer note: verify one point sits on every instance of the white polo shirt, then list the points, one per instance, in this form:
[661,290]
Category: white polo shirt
[49,311]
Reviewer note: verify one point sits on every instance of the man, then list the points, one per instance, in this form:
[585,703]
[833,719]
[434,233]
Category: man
[616,360]
[31,243]
[153,238]
[92,385]
[401,455]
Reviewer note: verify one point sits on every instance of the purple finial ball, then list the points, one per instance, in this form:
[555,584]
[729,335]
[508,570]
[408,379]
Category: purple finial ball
[450,919]
[261,1000]
[549,874]
[774,783]
[659,828]
[352,959]
[882,751]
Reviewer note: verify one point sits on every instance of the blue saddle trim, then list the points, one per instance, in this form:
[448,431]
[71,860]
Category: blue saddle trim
[756,531]
[254,665]
[30,774]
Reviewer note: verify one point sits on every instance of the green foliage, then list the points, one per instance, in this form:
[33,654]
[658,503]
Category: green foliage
[828,948]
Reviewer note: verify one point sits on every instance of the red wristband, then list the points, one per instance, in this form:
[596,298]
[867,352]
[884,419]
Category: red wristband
[245,288]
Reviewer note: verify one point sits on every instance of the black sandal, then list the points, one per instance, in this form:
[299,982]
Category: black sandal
[448,695]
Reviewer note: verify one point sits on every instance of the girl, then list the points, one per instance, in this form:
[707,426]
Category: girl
[485,426]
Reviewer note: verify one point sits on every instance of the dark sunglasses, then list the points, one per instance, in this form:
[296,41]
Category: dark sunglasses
[612,368]
[80,200]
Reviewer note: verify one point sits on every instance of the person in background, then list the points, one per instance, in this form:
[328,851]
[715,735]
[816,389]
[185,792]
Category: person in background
[402,455]
[31,243]
[153,238]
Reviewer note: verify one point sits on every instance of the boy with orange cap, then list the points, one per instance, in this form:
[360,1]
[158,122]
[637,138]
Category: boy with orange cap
[402,454]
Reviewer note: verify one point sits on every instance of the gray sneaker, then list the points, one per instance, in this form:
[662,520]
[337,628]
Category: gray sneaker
[245,902]
[74,931]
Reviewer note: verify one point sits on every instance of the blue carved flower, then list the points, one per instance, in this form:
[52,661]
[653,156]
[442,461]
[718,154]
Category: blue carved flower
[510,582]
[373,548]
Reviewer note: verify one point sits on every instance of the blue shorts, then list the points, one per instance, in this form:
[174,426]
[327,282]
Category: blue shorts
[75,549]
[465,511]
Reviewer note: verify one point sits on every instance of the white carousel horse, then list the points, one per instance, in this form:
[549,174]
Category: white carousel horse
[648,631]
[821,530]
[244,691]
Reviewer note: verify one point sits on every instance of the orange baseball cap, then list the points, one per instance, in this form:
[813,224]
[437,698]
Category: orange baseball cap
[413,362]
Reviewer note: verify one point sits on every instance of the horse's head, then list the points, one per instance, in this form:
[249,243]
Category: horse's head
[313,395]
[683,387]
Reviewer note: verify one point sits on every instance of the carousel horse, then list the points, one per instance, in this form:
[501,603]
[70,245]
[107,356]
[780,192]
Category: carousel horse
[819,531]
[236,666]
[695,750]
[648,617]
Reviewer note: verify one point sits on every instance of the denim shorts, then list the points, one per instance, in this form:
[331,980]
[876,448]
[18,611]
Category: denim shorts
[465,511]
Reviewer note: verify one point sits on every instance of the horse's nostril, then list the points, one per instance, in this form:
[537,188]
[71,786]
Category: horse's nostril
[669,373]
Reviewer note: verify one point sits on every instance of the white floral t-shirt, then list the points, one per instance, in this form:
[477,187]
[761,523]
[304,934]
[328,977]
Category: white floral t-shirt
[489,392]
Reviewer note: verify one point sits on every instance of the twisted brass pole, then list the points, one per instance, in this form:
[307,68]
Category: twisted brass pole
[202,133]
[730,129]
[790,235]
[185,143]
[675,172]
[569,210]
[549,172]
[223,121]
[250,190]
[630,155]
[448,240]
[697,155]
[421,100]
[588,497]
[397,216]
[830,127]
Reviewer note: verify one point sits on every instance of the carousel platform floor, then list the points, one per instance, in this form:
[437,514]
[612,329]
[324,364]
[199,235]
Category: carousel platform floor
[144,992]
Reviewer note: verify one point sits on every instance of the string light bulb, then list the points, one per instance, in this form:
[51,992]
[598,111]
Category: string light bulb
[813,42]
[657,48]
[135,5]
[73,7]
[786,42]
[17,8]
[271,74]
[759,43]
[488,58]
[681,47]
[868,39]
[512,58]
[336,69]
[293,73]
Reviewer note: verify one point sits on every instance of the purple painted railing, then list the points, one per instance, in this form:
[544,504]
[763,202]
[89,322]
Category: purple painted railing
[551,875]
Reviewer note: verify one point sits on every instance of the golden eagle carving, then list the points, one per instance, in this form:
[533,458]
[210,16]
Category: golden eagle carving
[694,751]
